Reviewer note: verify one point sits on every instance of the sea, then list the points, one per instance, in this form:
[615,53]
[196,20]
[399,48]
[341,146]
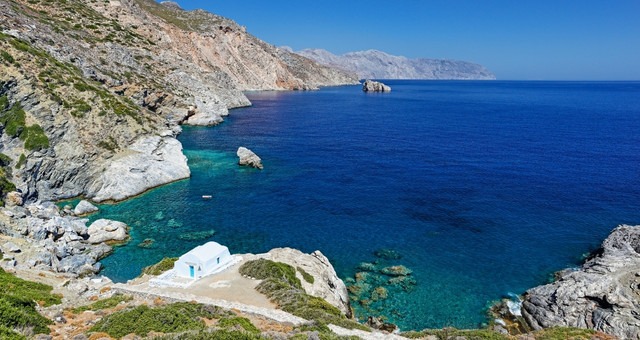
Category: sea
[480,189]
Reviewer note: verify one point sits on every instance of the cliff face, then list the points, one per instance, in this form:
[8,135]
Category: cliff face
[603,295]
[106,83]
[379,65]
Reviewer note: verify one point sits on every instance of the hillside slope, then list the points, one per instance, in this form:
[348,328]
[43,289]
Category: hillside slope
[106,84]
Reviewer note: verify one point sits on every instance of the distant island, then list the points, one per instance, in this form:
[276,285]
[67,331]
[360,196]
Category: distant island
[380,65]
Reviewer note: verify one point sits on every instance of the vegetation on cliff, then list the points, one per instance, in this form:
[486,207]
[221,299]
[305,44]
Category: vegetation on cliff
[160,267]
[18,299]
[282,286]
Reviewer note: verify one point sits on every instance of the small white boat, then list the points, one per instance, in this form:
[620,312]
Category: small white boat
[207,197]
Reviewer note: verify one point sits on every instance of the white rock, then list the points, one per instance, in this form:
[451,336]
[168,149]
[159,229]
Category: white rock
[11,247]
[13,199]
[104,230]
[149,162]
[84,207]
[247,157]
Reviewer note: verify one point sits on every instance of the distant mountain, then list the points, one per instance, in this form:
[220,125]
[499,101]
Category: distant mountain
[380,65]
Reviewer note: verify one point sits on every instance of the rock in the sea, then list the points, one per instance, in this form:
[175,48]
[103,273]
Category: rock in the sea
[247,157]
[603,295]
[375,86]
[104,230]
[13,199]
[84,207]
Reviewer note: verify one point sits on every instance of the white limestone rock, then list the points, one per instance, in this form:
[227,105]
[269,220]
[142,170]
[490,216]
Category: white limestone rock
[14,199]
[104,230]
[375,86]
[84,207]
[603,295]
[11,247]
[149,162]
[248,158]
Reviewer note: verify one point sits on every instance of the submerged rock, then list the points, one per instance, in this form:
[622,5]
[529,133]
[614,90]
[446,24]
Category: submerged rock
[387,254]
[84,207]
[603,295]
[396,271]
[147,243]
[375,86]
[247,157]
[197,235]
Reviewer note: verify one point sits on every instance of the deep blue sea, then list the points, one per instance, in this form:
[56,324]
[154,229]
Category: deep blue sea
[483,188]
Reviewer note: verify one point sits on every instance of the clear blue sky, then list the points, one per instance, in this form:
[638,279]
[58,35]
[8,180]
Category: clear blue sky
[542,39]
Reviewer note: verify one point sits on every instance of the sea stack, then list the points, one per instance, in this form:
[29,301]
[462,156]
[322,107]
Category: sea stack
[375,86]
[248,158]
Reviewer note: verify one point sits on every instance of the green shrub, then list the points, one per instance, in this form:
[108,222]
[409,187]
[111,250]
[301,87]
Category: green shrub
[265,269]
[34,138]
[306,276]
[21,161]
[4,102]
[8,334]
[7,57]
[17,304]
[453,333]
[160,267]
[244,323]
[13,120]
[564,333]
[104,303]
[218,334]
[173,318]
[5,160]
[282,286]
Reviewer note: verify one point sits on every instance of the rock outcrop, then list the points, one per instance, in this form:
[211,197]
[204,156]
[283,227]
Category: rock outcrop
[375,86]
[52,242]
[84,208]
[326,284]
[246,157]
[149,162]
[603,295]
[379,65]
[104,230]
[96,81]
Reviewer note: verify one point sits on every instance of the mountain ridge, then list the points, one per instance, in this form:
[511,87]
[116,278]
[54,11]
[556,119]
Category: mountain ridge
[381,65]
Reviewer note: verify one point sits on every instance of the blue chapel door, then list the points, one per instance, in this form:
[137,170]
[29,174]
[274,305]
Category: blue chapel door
[192,271]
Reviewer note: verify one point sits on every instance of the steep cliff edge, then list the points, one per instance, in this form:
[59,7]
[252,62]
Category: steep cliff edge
[101,86]
[380,65]
[603,295]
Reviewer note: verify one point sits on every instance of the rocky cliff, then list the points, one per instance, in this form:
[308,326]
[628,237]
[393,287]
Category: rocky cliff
[379,65]
[92,92]
[603,295]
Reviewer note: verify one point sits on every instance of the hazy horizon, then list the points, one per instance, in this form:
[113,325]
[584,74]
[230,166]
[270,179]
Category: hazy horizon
[542,40]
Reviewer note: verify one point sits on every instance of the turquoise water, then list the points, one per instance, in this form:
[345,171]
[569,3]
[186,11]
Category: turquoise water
[482,188]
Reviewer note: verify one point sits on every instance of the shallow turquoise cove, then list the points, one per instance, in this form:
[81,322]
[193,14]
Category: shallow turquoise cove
[483,188]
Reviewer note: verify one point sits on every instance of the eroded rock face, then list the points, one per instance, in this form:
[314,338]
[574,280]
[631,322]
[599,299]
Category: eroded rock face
[248,158]
[375,86]
[326,285]
[603,295]
[151,161]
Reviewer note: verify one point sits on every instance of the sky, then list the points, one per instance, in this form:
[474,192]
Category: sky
[515,39]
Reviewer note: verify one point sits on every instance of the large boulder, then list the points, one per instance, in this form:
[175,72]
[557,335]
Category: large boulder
[104,230]
[375,86]
[603,295]
[13,199]
[247,157]
[84,207]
